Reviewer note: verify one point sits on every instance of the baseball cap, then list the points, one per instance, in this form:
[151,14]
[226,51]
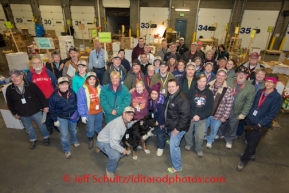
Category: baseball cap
[72,49]
[117,56]
[191,64]
[200,43]
[164,63]
[82,62]
[135,62]
[62,79]
[209,63]
[243,69]
[254,55]
[194,43]
[128,109]
[16,72]
[182,38]
[91,74]
[223,58]
[177,41]
[158,58]
[222,69]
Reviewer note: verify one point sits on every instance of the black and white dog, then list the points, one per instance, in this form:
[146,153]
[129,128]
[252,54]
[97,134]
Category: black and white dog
[138,133]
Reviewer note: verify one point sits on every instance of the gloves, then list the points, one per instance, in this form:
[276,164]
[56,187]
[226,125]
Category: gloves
[56,124]
[241,116]
[256,127]
[84,120]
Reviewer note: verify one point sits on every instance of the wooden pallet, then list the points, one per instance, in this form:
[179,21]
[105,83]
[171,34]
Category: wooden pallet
[273,52]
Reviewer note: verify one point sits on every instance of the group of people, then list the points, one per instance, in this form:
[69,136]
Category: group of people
[190,93]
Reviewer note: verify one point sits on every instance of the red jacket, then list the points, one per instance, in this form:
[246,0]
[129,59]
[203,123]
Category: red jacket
[136,52]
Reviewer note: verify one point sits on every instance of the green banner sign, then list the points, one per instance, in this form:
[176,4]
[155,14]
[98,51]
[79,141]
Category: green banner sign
[8,25]
[104,37]
[44,43]
[93,33]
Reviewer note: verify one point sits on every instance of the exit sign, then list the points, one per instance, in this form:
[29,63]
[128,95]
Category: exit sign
[182,14]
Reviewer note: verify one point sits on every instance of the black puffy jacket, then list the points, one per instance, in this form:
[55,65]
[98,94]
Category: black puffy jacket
[178,112]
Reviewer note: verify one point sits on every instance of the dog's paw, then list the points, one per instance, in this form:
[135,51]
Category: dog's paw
[150,134]
[128,152]
[135,157]
[147,151]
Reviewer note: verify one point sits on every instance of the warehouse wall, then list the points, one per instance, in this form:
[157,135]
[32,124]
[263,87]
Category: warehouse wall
[238,5]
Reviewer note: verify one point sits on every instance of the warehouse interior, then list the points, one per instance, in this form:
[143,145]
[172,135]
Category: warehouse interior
[213,22]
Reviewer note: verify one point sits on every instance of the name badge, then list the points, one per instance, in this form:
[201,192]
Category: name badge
[23,101]
[96,62]
[255,113]
[127,136]
[199,103]
[97,107]
[164,91]
[121,82]
[137,109]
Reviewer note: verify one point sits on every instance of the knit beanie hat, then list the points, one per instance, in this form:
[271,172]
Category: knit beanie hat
[156,88]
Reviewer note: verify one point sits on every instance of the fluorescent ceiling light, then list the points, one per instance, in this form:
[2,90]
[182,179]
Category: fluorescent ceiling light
[182,9]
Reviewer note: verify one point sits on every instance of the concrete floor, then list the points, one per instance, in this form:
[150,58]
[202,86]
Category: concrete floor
[45,169]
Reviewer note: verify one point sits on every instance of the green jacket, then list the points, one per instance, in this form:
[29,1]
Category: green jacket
[130,80]
[164,84]
[244,99]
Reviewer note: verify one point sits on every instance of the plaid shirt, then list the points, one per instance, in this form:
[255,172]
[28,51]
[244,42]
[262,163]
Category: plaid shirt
[226,103]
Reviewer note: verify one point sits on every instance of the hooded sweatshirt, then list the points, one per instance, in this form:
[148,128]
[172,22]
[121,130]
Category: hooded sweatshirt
[202,102]
[43,81]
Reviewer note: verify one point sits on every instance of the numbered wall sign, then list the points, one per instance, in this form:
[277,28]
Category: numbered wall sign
[47,22]
[245,30]
[77,22]
[19,20]
[144,25]
[203,28]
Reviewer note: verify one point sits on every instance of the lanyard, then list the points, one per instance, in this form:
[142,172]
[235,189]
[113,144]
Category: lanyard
[66,95]
[95,94]
[209,78]
[262,99]
[164,51]
[192,55]
[164,82]
[119,71]
[148,81]
[189,83]
[236,91]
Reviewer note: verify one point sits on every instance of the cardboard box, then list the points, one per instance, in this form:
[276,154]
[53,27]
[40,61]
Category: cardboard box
[283,79]
[18,60]
[56,43]
[51,33]
[24,31]
[18,38]
[22,44]
[10,120]
[286,61]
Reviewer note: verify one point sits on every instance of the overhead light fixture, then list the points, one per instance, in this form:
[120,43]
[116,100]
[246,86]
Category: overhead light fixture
[182,9]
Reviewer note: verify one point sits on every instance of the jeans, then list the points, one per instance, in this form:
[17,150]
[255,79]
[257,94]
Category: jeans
[112,154]
[214,126]
[99,74]
[64,126]
[229,128]
[37,118]
[199,128]
[175,149]
[240,128]
[253,138]
[161,137]
[94,124]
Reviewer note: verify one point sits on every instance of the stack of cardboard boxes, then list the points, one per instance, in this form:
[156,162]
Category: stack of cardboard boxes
[52,34]
[127,42]
[22,40]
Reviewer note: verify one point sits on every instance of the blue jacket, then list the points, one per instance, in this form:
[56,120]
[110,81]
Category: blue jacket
[49,73]
[59,107]
[111,100]
[267,111]
[83,100]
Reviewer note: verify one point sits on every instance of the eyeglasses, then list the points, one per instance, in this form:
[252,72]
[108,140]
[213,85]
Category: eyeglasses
[35,63]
